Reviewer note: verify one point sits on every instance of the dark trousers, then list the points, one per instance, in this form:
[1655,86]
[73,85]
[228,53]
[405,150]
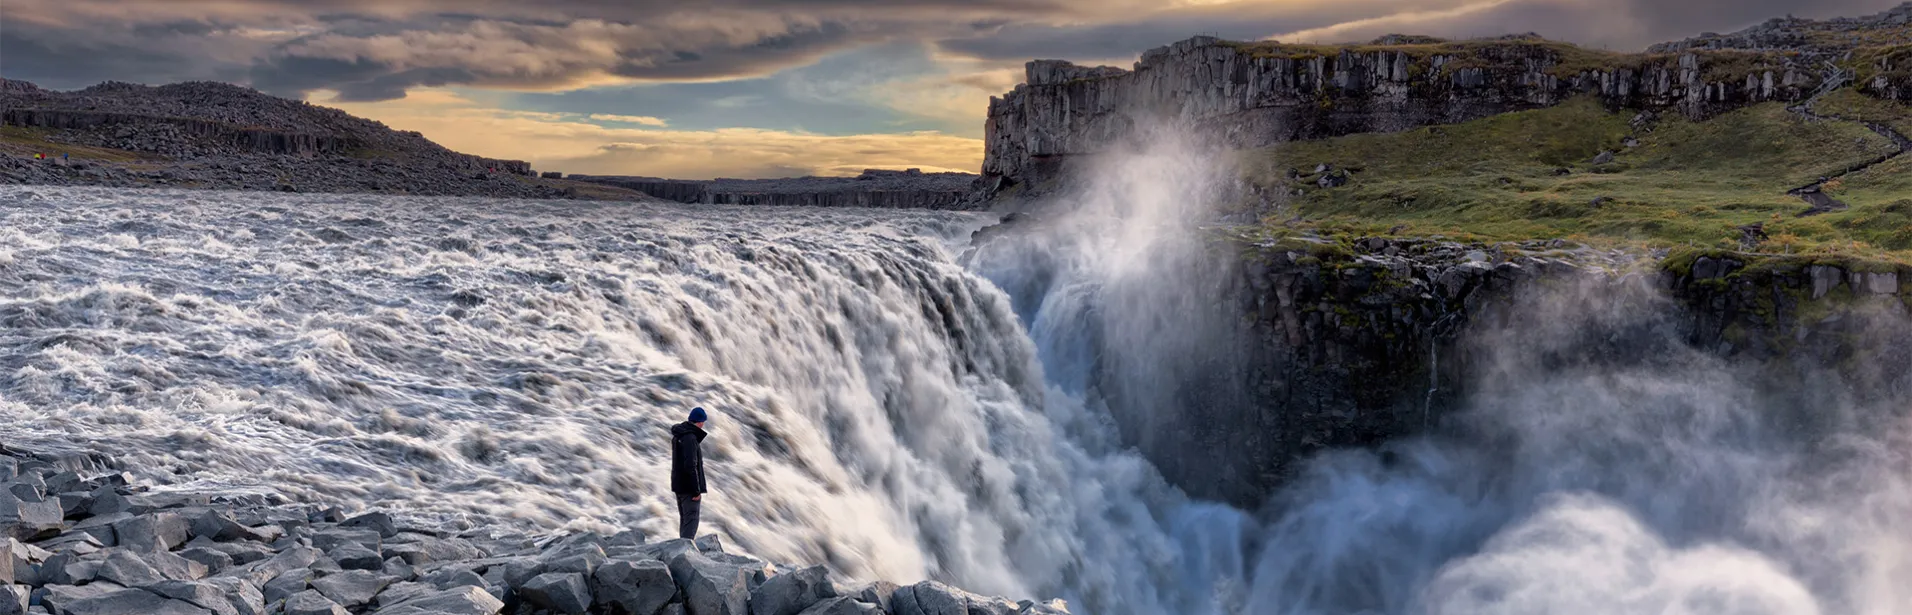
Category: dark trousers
[687,512]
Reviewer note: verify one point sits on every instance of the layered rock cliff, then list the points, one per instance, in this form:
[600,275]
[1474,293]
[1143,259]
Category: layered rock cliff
[1246,95]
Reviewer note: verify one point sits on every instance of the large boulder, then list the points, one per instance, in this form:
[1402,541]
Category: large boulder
[352,556]
[260,571]
[152,532]
[15,599]
[197,593]
[561,592]
[244,597]
[633,588]
[327,540]
[352,588]
[311,602]
[287,584]
[933,598]
[711,587]
[131,602]
[30,518]
[791,593]
[842,605]
[375,521]
[461,601]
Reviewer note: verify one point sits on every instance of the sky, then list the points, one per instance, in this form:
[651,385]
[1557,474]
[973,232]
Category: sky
[735,88]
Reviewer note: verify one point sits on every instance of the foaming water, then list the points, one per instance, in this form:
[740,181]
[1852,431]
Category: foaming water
[1599,465]
[882,409]
[876,407]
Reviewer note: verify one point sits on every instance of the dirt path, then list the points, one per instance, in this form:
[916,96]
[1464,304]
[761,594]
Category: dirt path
[1812,194]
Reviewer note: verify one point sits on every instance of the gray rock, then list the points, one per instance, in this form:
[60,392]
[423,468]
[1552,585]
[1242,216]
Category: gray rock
[351,556]
[420,549]
[398,569]
[259,572]
[7,562]
[711,587]
[152,532]
[877,593]
[710,543]
[633,588]
[518,571]
[448,578]
[311,602]
[791,593]
[245,598]
[58,597]
[284,585]
[241,552]
[30,519]
[213,560]
[200,594]
[375,521]
[583,560]
[1824,279]
[123,567]
[219,526]
[933,598]
[67,569]
[842,606]
[402,591]
[1603,158]
[130,602]
[460,601]
[328,540]
[563,592]
[352,588]
[100,527]
[14,599]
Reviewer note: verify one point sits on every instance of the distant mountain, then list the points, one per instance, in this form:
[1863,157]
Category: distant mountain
[221,136]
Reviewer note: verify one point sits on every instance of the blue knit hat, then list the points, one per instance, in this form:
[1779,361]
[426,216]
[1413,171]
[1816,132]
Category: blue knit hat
[697,415]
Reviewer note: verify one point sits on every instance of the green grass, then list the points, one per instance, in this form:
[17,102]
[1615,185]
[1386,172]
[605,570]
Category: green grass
[1687,184]
[1569,59]
[1847,103]
[24,141]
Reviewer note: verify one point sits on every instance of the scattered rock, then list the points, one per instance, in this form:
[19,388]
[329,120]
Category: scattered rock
[843,606]
[132,602]
[1603,157]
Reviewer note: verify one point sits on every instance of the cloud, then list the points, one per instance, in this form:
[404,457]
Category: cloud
[1622,25]
[644,120]
[555,141]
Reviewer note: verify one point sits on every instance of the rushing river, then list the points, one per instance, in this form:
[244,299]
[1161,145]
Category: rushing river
[881,405]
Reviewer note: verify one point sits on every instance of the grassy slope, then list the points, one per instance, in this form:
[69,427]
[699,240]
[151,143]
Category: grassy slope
[22,141]
[1686,184]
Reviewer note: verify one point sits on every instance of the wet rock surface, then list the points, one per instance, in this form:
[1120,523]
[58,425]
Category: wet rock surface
[180,553]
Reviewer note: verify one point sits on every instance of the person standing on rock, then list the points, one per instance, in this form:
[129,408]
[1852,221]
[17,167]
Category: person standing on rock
[687,470]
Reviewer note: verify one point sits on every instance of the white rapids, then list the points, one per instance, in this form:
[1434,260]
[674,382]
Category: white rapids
[880,409]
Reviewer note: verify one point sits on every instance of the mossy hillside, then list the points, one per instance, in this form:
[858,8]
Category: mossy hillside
[1569,60]
[1848,103]
[1686,184]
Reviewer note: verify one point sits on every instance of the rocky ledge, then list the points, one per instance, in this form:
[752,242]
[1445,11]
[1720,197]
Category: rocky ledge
[78,537]
[910,188]
[219,136]
[1256,94]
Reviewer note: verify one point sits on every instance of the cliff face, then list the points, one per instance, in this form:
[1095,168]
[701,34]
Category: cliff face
[1334,343]
[200,120]
[1254,95]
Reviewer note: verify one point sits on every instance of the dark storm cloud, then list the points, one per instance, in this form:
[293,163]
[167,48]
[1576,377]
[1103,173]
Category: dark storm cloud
[371,50]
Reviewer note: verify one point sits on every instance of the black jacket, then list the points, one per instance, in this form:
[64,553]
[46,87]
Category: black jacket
[687,459]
